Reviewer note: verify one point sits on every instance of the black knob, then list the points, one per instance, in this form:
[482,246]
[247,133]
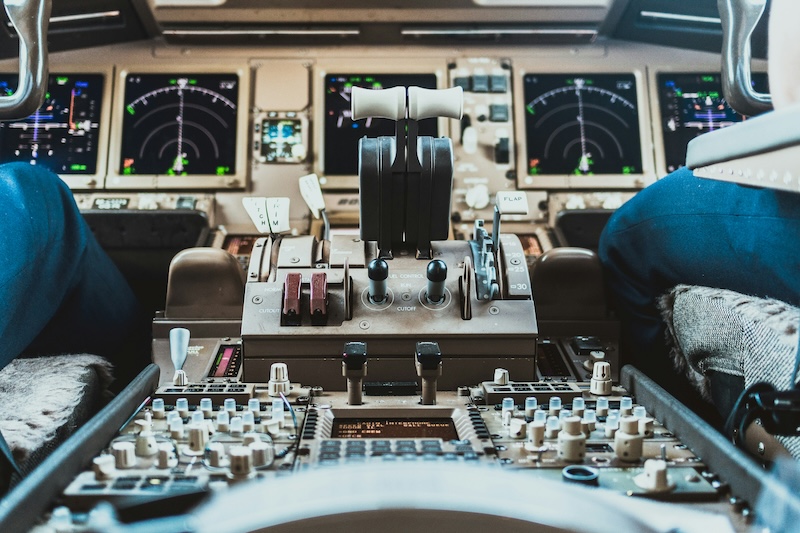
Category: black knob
[437,275]
[378,272]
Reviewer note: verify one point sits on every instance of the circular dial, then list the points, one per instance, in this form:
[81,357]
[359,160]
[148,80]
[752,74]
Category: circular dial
[582,124]
[179,125]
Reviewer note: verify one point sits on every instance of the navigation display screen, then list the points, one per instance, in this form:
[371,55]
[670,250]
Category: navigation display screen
[582,124]
[179,124]
[342,134]
[394,428]
[63,133]
[693,104]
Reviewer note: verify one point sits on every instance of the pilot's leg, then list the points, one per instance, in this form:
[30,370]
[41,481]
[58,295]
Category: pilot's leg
[60,292]
[684,229]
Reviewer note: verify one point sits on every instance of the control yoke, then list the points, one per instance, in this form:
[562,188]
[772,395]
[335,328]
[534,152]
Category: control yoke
[30,19]
[739,19]
[405,180]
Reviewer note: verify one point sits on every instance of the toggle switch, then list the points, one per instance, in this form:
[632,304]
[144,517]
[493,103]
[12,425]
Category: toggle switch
[290,312]
[354,368]
[437,275]
[178,349]
[378,273]
[319,298]
[428,362]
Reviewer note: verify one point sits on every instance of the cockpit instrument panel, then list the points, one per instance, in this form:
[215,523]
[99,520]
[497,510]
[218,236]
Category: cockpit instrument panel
[582,125]
[63,134]
[691,104]
[342,134]
[179,129]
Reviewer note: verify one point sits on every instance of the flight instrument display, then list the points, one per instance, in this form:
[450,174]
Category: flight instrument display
[582,124]
[693,104]
[342,134]
[63,133]
[179,124]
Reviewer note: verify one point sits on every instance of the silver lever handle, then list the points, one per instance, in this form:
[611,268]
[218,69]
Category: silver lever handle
[30,19]
[739,19]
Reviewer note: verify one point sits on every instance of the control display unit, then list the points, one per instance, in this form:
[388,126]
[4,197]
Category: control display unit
[179,124]
[582,124]
[63,133]
[342,134]
[382,428]
[692,104]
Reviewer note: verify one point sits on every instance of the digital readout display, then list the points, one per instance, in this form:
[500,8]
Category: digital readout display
[394,428]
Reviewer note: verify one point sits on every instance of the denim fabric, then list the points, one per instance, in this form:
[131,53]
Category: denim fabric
[60,292]
[684,229]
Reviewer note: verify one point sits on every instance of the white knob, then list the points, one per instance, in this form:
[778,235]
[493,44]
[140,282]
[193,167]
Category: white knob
[654,478]
[536,433]
[255,406]
[500,376]
[241,459]
[104,467]
[248,421]
[198,436]
[206,407]
[612,202]
[182,406]
[158,408]
[477,196]
[237,425]
[124,454]
[378,103]
[216,455]
[517,429]
[166,456]
[554,406]
[146,444]
[278,379]
[176,428]
[575,202]
[263,453]
[571,440]
[230,406]
[628,445]
[223,421]
[600,384]
[429,103]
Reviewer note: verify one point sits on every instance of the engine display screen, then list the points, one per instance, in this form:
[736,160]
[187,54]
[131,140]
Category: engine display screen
[693,104]
[342,134]
[394,428]
[179,124]
[63,133]
[582,124]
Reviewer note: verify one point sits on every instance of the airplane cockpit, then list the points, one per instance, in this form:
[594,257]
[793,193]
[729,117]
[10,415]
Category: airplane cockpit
[377,249]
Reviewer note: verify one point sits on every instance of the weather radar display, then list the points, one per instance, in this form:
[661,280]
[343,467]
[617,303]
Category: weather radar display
[582,124]
[179,124]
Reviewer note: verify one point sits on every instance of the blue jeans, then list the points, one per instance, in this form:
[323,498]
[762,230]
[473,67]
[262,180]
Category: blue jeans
[60,292]
[684,229]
